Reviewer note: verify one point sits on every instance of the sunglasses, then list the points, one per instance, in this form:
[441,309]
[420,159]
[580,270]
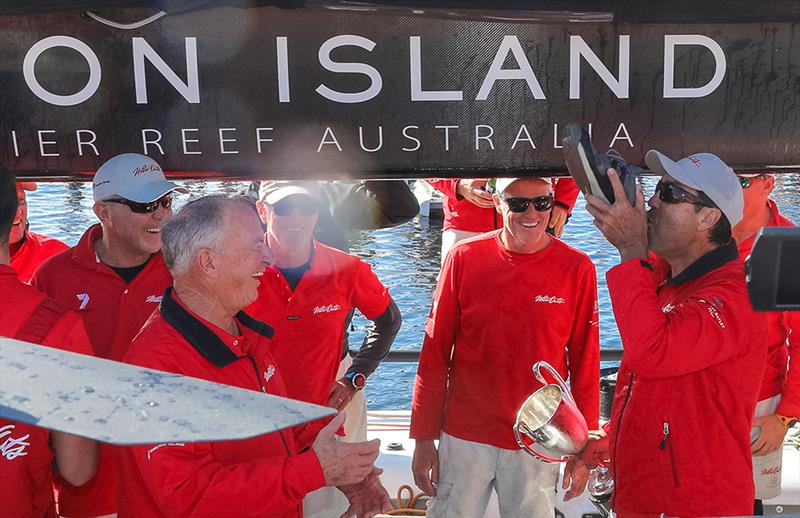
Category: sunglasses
[746,181]
[672,193]
[286,207]
[145,208]
[540,203]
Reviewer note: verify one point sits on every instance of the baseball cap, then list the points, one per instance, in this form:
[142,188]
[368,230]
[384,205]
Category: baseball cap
[501,184]
[273,191]
[704,172]
[134,177]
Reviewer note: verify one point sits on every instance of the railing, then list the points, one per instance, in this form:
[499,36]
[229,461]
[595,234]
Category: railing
[606,355]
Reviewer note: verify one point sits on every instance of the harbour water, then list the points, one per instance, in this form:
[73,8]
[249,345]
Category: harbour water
[405,258]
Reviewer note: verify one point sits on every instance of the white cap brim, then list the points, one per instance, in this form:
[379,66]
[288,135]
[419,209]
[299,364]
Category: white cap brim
[149,192]
[280,193]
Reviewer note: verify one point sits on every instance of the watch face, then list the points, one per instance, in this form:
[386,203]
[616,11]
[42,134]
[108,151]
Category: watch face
[359,380]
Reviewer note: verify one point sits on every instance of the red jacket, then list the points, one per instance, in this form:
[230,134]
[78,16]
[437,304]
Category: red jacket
[783,338]
[500,312]
[686,389]
[33,251]
[460,214]
[26,456]
[309,322]
[113,312]
[265,476]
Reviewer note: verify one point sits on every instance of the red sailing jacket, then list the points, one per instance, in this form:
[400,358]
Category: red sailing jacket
[25,453]
[783,337]
[460,214]
[309,321]
[261,477]
[500,312]
[33,251]
[113,312]
[686,389]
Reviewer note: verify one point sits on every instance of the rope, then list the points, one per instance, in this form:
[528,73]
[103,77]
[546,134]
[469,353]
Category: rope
[406,506]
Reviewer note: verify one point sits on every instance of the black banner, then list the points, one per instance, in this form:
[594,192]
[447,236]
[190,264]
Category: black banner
[268,92]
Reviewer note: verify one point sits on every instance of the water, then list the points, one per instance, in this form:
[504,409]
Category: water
[405,258]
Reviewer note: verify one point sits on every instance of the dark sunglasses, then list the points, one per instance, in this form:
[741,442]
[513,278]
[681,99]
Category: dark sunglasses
[304,206]
[145,208]
[540,203]
[746,181]
[672,193]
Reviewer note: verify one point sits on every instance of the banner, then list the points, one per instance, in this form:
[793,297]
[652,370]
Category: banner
[315,93]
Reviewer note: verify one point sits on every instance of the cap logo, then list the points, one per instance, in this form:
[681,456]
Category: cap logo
[146,168]
[696,161]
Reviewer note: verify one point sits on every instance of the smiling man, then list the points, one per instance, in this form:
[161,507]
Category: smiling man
[504,300]
[694,348]
[308,296]
[29,249]
[114,278]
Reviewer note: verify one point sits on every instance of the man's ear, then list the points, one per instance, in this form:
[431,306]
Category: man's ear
[496,200]
[207,261]
[261,207]
[708,218]
[769,184]
[102,211]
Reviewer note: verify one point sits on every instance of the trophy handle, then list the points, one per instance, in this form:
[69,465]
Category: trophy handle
[541,364]
[529,449]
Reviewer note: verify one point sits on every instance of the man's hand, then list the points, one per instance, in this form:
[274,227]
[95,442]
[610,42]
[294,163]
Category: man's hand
[624,225]
[425,466]
[772,434]
[596,451]
[367,498]
[471,189]
[344,463]
[575,476]
[558,218]
[341,394]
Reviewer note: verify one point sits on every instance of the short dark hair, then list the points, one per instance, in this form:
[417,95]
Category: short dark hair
[721,232]
[8,203]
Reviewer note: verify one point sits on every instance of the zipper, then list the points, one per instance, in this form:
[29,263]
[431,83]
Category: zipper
[616,436]
[666,443]
[264,390]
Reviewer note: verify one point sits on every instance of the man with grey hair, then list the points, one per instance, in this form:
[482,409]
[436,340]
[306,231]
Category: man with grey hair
[215,251]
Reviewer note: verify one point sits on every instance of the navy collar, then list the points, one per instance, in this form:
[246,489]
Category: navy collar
[706,263]
[203,339]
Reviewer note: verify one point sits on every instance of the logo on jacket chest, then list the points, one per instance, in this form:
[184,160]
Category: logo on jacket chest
[327,308]
[549,299]
[12,447]
[84,299]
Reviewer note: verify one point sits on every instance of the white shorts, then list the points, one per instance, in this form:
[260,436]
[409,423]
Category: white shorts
[469,471]
[452,236]
[767,468]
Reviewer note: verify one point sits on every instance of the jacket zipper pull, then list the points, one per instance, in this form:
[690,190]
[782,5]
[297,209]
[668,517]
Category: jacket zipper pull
[666,435]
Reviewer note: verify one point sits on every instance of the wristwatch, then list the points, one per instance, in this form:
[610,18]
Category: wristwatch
[787,422]
[356,379]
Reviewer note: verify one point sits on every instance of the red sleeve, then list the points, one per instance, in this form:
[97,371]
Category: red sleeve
[566,191]
[70,335]
[699,333]
[583,350]
[185,480]
[430,385]
[370,297]
[790,400]
[446,186]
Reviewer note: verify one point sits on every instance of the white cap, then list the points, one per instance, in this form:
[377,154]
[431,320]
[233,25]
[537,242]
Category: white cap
[502,183]
[134,177]
[271,192]
[704,172]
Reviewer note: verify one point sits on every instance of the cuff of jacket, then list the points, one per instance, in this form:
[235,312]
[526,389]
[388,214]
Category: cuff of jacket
[305,472]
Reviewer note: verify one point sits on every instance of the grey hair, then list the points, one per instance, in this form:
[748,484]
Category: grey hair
[199,224]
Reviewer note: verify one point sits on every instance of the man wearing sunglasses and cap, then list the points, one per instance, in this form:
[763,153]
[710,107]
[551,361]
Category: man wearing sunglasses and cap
[778,406]
[29,249]
[114,278]
[504,300]
[679,438]
[307,296]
